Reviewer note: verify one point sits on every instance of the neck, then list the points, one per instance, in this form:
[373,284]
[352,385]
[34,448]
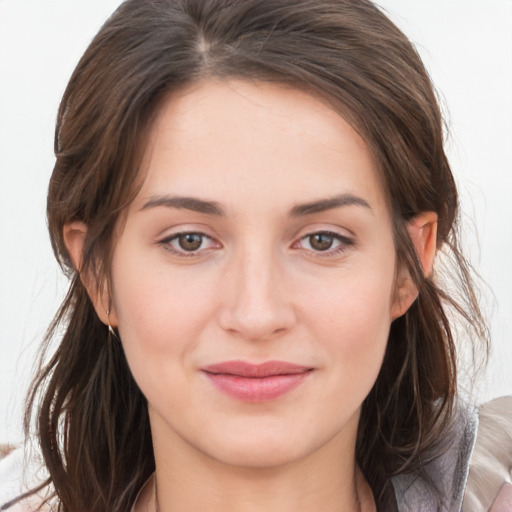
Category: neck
[148,500]
[294,488]
[325,479]
[258,498]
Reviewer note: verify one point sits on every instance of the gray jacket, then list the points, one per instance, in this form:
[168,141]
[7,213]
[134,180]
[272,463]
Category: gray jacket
[474,472]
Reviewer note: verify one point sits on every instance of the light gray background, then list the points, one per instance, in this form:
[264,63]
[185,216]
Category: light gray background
[466,45]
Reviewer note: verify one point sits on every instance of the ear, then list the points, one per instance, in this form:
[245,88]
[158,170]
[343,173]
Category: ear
[74,237]
[423,232]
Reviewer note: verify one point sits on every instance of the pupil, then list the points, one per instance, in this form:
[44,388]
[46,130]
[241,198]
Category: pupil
[190,241]
[321,241]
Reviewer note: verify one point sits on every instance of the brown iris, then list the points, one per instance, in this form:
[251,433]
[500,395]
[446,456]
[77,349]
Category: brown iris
[190,241]
[321,241]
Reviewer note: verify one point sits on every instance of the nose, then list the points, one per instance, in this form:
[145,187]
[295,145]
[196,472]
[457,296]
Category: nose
[257,301]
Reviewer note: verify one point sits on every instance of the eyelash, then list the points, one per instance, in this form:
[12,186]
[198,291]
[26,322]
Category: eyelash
[166,243]
[344,243]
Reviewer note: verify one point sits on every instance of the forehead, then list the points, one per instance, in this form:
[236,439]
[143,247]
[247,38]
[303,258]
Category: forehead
[230,137]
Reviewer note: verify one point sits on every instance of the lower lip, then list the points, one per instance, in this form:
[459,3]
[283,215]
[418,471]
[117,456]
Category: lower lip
[256,389]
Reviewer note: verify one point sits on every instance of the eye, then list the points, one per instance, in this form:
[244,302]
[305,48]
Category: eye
[188,244]
[325,242]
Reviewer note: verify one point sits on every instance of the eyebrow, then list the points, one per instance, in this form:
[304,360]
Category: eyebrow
[188,203]
[214,208]
[331,203]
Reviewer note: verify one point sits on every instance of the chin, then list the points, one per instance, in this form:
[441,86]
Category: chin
[260,454]
[268,446]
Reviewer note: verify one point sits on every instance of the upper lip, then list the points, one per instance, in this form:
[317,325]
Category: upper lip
[266,369]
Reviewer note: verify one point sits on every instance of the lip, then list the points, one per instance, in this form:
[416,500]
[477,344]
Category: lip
[256,382]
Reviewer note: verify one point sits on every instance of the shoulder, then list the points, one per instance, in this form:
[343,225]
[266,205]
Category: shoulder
[19,473]
[489,483]
[472,472]
[439,483]
[11,470]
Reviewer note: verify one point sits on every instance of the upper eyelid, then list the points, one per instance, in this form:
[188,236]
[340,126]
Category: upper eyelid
[172,236]
[338,232]
[325,232]
[323,227]
[342,238]
[180,229]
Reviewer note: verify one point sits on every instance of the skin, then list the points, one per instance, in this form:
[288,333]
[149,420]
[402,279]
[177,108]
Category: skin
[257,288]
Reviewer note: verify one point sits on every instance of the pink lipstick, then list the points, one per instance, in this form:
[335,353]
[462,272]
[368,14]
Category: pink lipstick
[256,382]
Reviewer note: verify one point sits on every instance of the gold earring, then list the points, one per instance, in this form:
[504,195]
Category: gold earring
[110,328]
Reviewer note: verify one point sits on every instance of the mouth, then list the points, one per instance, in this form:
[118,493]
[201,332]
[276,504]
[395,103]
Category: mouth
[249,382]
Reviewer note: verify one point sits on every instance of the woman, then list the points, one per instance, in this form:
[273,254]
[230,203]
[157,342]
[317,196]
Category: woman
[248,197]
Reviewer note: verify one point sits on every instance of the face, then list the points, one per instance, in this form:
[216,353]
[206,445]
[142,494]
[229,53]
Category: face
[254,277]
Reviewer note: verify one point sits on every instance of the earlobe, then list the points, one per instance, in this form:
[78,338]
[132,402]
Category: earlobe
[405,294]
[74,237]
[423,232]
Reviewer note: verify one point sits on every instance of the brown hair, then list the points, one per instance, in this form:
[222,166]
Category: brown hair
[92,419]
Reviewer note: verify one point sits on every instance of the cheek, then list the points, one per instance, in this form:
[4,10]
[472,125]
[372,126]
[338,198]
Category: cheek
[353,319]
[160,313]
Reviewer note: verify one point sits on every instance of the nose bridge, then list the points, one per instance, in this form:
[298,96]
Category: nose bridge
[257,306]
[256,279]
